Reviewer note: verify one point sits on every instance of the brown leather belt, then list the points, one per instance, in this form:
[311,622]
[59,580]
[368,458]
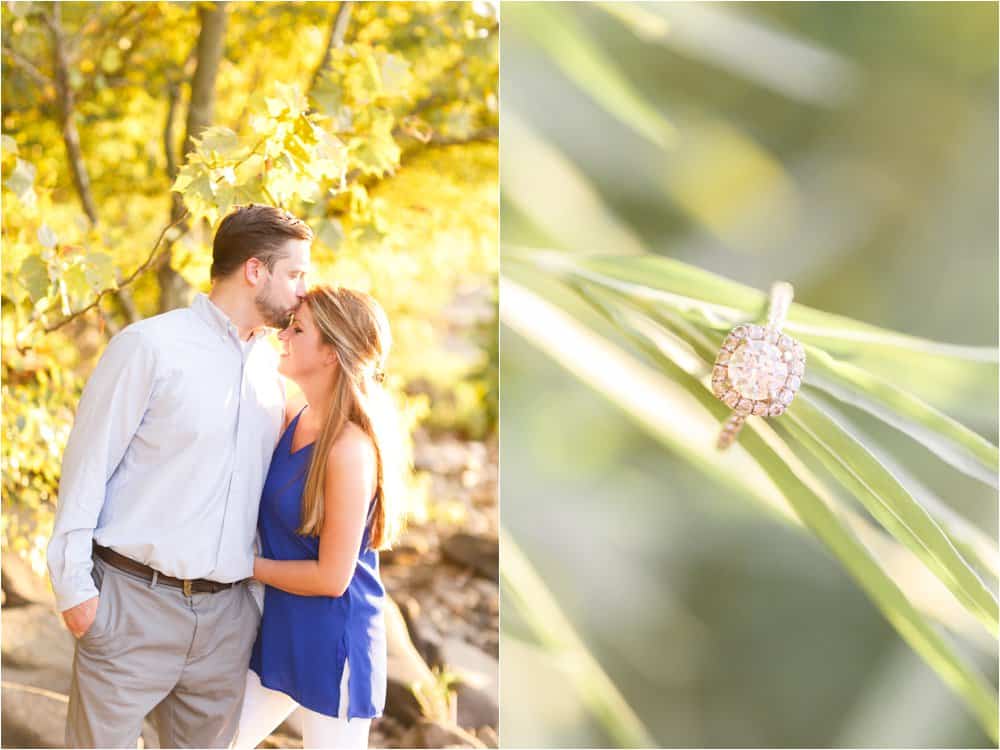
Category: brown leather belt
[190,586]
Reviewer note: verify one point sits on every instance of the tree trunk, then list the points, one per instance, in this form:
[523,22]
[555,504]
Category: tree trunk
[174,291]
[66,106]
[335,39]
[67,114]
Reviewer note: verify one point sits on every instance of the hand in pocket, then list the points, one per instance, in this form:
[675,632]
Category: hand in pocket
[79,619]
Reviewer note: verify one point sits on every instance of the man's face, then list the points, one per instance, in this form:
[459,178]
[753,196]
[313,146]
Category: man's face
[285,287]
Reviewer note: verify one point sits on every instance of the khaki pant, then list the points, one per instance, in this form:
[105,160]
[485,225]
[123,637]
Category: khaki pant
[153,650]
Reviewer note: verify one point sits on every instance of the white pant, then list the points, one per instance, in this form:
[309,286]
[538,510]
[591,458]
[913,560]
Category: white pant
[264,710]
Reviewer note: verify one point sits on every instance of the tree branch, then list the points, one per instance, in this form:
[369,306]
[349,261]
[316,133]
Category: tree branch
[483,134]
[174,95]
[26,65]
[125,282]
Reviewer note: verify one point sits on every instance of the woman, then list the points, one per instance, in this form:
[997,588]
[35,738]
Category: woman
[330,500]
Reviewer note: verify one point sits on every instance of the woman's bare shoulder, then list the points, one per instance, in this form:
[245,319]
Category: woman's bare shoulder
[351,444]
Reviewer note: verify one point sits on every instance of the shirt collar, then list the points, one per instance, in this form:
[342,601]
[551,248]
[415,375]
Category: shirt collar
[219,322]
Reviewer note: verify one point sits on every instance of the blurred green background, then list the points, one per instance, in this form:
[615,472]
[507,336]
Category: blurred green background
[849,148]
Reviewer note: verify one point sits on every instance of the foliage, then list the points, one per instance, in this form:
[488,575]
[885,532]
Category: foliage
[387,149]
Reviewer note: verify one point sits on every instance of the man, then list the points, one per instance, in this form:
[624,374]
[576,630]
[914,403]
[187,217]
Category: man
[155,532]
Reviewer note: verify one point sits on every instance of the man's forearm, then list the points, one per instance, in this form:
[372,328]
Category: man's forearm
[70,565]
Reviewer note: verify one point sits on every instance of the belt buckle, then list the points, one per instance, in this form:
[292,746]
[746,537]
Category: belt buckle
[187,586]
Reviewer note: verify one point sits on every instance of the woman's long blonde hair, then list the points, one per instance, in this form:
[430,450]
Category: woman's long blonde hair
[355,325]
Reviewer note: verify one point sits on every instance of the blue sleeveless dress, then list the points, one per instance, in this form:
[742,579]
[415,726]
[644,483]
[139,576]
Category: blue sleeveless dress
[304,640]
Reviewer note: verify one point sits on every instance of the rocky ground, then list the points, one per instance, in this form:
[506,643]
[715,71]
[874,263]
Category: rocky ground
[443,629]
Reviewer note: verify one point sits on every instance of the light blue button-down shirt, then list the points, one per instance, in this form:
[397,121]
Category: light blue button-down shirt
[169,451]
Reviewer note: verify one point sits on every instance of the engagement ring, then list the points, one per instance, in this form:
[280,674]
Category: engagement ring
[758,370]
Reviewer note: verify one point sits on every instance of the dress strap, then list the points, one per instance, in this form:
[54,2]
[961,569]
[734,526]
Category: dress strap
[290,430]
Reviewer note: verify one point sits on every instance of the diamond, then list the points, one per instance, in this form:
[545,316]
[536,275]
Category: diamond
[786,396]
[724,356]
[760,409]
[756,332]
[720,387]
[718,373]
[731,398]
[745,406]
[775,410]
[756,369]
[793,382]
[797,368]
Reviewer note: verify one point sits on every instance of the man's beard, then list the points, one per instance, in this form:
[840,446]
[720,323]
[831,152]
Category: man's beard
[274,316]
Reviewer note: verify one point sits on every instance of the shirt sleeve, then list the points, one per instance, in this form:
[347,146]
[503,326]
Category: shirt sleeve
[111,408]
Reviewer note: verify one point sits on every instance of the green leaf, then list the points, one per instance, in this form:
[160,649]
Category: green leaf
[222,141]
[22,180]
[570,48]
[287,98]
[394,73]
[77,287]
[330,232]
[100,271]
[34,276]
[376,153]
[46,236]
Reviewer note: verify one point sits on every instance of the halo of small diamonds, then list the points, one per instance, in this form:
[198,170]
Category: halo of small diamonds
[758,371]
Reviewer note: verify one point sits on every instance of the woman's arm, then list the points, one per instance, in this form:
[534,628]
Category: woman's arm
[349,485]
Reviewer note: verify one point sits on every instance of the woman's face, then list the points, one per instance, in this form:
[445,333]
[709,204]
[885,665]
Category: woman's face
[304,353]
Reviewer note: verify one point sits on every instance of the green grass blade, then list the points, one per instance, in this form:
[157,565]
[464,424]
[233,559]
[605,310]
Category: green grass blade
[970,542]
[793,479]
[570,47]
[949,439]
[939,378]
[888,501]
[523,588]
[812,504]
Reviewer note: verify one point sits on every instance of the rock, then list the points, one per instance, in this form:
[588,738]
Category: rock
[448,456]
[34,636]
[54,679]
[427,733]
[21,584]
[478,683]
[413,692]
[481,553]
[426,638]
[488,736]
[412,548]
[292,726]
[32,717]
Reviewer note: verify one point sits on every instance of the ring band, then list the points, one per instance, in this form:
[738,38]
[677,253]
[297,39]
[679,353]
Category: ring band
[758,370]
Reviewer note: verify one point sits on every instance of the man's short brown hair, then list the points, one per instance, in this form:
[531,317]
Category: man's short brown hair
[254,231]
